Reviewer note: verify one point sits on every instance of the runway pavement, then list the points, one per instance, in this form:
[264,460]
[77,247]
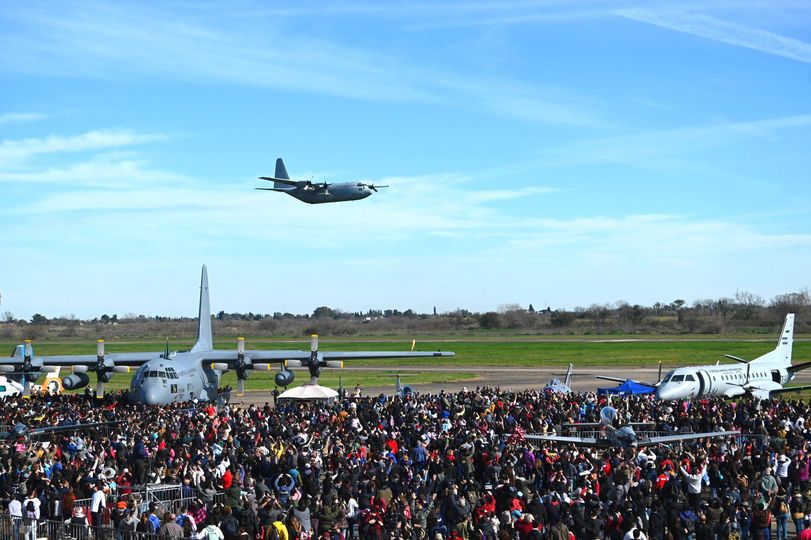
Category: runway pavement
[515,378]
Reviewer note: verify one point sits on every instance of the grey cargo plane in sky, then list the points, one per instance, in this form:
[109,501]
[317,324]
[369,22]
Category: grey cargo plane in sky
[164,377]
[317,192]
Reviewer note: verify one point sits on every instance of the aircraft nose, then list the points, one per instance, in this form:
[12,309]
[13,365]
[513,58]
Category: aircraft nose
[665,392]
[151,396]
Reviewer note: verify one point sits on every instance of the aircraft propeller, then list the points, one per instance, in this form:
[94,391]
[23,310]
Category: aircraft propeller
[103,371]
[28,370]
[374,187]
[241,366]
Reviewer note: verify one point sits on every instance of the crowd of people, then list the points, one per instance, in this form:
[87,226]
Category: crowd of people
[440,466]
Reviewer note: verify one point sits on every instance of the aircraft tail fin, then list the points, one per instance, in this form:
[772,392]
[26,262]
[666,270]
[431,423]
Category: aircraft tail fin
[204,340]
[781,355]
[281,172]
[567,380]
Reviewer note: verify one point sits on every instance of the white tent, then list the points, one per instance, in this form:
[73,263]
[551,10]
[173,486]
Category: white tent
[309,391]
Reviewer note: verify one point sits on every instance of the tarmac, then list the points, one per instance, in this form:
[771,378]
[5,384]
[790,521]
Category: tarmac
[515,378]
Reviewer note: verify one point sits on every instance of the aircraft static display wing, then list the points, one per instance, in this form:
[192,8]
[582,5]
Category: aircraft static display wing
[789,389]
[580,441]
[621,380]
[279,356]
[119,359]
[648,441]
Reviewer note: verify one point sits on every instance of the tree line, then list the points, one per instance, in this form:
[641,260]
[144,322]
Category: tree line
[744,312]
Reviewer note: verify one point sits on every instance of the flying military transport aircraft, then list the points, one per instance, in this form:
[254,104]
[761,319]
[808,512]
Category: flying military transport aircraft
[623,436]
[317,192]
[164,377]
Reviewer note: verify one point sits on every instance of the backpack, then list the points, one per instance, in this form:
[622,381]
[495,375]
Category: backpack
[272,533]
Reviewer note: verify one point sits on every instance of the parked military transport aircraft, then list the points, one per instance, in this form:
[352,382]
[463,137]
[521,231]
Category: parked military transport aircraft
[164,377]
[763,377]
[624,436]
[317,192]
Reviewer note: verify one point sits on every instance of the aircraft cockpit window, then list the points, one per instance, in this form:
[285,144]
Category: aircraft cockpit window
[667,378]
[152,374]
[677,378]
[689,378]
[161,374]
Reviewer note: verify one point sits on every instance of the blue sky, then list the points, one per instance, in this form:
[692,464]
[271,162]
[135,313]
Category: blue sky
[544,152]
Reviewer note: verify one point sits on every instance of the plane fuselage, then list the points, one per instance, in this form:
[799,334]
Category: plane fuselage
[347,191]
[181,377]
[726,380]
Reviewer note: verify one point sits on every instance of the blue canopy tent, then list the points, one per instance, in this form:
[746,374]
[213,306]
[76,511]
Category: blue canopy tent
[629,387]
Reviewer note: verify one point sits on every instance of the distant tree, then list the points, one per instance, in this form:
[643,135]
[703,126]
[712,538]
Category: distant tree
[747,305]
[559,319]
[39,319]
[104,319]
[490,320]
[506,308]
[722,307]
[796,302]
[678,307]
[323,312]
[531,309]
[8,316]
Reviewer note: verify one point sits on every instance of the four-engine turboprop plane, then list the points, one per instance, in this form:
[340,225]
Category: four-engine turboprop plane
[762,378]
[624,436]
[161,377]
[317,192]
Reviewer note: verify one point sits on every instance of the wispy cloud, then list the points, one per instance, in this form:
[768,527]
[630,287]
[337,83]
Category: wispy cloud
[107,42]
[14,152]
[9,117]
[722,31]
[648,148]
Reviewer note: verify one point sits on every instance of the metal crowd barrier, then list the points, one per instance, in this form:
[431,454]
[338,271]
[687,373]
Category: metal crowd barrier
[12,528]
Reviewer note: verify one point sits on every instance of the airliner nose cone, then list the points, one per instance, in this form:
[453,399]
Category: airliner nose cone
[664,393]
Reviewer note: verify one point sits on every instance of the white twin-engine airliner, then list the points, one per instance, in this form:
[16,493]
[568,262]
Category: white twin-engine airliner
[762,377]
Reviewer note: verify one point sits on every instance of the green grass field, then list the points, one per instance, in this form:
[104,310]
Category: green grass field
[517,351]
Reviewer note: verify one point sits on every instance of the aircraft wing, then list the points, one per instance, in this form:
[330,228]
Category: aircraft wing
[15,364]
[120,359]
[71,427]
[279,356]
[579,441]
[684,437]
[285,181]
[621,380]
[790,389]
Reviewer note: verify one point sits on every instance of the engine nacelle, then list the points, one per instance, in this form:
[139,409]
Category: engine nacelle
[75,381]
[284,378]
[216,366]
[337,364]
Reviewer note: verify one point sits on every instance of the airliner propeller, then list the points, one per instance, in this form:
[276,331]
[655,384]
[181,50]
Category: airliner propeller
[374,187]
